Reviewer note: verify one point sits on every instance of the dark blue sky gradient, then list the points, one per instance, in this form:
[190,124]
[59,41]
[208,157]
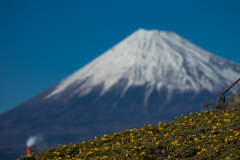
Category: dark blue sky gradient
[42,42]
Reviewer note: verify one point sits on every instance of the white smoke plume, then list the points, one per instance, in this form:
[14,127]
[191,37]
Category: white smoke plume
[33,140]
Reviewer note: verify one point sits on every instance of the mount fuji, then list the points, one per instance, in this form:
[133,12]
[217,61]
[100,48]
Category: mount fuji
[150,76]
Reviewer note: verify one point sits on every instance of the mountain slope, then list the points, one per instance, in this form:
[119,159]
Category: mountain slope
[151,76]
[156,58]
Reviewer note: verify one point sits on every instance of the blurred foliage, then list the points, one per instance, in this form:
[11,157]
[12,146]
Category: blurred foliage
[211,134]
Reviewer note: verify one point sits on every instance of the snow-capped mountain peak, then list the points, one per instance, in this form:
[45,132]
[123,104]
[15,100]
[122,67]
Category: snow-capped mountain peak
[155,59]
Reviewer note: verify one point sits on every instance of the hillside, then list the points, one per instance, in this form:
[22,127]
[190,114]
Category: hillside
[211,134]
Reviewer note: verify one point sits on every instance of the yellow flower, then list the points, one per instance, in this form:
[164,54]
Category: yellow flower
[169,156]
[231,138]
[191,113]
[176,117]
[199,147]
[195,139]
[227,158]
[182,115]
[163,151]
[214,127]
[218,124]
[105,157]
[185,117]
[198,153]
[142,153]
[226,114]
[126,155]
[204,149]
[89,153]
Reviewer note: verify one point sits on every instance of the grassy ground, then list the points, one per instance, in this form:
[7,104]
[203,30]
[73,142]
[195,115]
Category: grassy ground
[207,135]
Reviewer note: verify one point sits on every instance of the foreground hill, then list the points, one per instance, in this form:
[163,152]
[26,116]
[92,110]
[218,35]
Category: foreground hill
[207,135]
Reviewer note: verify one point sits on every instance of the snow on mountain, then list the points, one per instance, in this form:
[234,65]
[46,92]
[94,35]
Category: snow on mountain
[155,58]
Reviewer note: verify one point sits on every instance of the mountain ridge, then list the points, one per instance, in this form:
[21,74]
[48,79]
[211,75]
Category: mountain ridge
[81,110]
[139,59]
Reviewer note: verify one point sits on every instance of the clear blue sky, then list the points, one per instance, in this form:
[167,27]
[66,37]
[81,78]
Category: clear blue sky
[42,42]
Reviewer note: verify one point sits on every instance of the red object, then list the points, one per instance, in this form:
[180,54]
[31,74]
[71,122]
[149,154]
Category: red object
[28,150]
